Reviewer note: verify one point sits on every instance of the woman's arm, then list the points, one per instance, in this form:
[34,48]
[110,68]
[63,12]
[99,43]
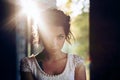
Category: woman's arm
[26,76]
[80,72]
[25,69]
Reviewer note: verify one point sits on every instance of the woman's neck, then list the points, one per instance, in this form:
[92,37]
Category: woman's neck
[52,56]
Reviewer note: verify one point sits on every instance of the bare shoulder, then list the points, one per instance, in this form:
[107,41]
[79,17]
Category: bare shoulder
[80,70]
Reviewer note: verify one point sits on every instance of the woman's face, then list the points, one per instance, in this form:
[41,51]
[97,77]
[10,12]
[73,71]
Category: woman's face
[53,38]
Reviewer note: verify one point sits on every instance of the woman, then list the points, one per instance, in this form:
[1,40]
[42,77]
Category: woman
[52,63]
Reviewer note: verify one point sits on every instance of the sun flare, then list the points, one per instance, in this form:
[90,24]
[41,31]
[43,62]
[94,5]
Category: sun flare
[30,8]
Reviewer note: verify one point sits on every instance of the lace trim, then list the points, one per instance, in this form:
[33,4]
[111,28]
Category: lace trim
[77,60]
[24,65]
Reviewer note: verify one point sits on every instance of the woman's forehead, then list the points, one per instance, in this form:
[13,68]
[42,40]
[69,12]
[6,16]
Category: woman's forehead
[56,29]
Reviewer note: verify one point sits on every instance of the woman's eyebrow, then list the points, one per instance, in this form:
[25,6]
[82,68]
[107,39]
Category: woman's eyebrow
[61,34]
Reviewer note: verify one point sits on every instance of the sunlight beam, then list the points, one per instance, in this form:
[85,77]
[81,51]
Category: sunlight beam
[30,8]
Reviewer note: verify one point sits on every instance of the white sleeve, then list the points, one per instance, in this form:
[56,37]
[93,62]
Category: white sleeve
[78,60]
[25,65]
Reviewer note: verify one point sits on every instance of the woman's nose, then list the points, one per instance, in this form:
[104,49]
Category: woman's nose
[53,41]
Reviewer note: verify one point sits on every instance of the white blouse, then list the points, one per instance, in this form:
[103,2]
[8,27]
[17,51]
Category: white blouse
[30,64]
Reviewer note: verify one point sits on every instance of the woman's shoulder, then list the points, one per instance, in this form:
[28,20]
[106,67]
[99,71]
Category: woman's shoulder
[26,64]
[27,59]
[77,60]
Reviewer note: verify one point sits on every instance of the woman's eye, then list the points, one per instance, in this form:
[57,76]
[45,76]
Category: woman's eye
[61,37]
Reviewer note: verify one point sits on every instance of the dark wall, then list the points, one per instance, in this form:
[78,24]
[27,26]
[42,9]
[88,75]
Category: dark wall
[7,42]
[104,34]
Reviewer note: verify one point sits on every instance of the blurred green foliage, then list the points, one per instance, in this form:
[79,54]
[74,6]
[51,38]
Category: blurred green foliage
[80,30]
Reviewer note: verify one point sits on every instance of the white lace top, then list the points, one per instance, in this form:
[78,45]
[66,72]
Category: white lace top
[31,65]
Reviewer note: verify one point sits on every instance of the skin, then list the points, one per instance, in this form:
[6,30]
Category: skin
[80,73]
[52,53]
[53,59]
